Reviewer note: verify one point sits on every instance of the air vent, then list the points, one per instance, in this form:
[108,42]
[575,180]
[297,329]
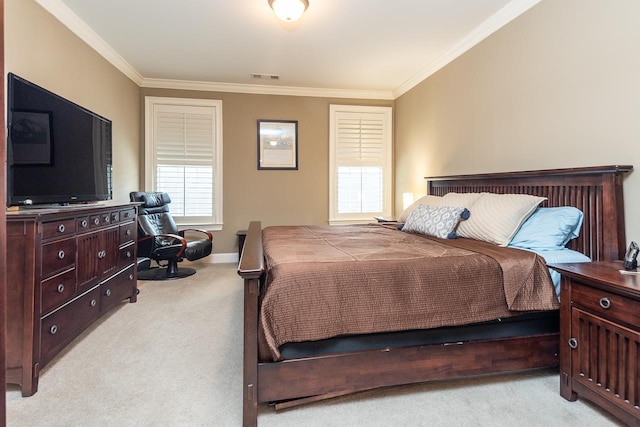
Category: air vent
[265,76]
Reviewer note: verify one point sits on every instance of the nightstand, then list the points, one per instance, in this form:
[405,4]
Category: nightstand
[383,219]
[600,337]
[242,235]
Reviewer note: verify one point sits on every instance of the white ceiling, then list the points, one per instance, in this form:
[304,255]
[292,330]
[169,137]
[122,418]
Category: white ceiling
[372,48]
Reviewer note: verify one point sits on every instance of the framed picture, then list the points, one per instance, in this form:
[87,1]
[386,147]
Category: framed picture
[31,138]
[277,144]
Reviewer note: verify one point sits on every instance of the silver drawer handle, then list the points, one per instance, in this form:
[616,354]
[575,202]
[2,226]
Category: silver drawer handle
[96,221]
[108,292]
[83,223]
[93,303]
[60,288]
[60,254]
[102,254]
[61,228]
[128,232]
[53,329]
[107,219]
[131,277]
[605,303]
[573,343]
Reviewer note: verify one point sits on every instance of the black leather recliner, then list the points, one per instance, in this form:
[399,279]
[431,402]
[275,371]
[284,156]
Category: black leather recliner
[160,239]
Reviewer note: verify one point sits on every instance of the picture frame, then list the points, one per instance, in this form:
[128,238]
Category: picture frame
[31,138]
[277,145]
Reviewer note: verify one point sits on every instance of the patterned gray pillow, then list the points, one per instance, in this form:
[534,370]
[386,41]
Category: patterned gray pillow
[436,221]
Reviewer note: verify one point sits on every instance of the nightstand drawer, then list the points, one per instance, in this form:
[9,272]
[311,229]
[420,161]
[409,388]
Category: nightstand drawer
[607,304]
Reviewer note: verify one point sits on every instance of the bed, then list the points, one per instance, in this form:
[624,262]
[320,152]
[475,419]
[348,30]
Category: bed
[306,373]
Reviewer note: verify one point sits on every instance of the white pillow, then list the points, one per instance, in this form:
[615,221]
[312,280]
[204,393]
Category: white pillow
[496,218]
[425,200]
[461,200]
[464,200]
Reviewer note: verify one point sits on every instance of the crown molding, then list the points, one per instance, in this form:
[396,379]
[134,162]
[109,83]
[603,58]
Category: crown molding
[505,15]
[66,16]
[265,89]
[496,21]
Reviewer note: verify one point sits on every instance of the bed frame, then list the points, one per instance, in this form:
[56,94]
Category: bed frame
[597,191]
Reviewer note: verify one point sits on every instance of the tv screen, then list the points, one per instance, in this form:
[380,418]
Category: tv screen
[57,152]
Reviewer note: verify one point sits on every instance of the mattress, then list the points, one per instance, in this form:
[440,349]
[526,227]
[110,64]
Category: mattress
[326,282]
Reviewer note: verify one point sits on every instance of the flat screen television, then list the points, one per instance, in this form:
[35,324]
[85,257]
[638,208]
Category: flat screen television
[57,151]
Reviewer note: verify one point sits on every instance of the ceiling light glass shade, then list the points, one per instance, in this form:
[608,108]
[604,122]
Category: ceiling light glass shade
[289,10]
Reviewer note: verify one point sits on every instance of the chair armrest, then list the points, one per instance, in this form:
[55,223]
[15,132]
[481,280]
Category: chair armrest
[196,230]
[180,239]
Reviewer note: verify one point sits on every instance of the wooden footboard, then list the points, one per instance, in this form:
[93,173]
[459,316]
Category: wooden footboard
[314,378]
[251,269]
[351,372]
[596,191]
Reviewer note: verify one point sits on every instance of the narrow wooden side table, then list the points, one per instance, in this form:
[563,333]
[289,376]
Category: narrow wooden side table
[242,234]
[600,336]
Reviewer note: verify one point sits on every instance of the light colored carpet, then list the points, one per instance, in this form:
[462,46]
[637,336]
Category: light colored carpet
[174,358]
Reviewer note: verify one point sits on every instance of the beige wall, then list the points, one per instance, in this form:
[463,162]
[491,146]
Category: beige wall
[42,50]
[273,197]
[53,57]
[557,87]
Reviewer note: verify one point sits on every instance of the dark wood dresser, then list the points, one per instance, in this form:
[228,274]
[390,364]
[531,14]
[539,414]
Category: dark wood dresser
[65,268]
[600,337]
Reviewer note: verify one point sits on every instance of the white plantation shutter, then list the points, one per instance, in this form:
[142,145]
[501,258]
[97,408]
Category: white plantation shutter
[360,151]
[185,154]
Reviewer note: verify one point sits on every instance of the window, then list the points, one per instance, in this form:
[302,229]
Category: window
[360,154]
[183,157]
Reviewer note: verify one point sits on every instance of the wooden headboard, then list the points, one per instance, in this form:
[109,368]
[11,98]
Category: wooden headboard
[596,191]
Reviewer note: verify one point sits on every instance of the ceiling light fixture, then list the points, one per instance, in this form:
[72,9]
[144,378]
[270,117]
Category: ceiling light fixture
[289,10]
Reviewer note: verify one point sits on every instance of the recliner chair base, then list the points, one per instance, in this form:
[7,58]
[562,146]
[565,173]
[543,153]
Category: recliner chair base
[164,273]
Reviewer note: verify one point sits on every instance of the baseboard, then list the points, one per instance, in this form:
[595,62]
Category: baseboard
[221,258]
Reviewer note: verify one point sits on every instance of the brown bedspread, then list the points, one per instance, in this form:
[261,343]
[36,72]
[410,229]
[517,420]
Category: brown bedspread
[329,281]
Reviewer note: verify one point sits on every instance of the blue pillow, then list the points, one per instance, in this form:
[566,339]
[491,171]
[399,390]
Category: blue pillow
[549,229]
[561,256]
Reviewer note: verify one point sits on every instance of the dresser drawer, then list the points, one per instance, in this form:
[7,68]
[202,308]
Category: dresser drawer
[105,218]
[127,214]
[118,288]
[63,325]
[58,256]
[83,224]
[607,304]
[127,232]
[126,255]
[57,290]
[58,228]
[94,221]
[100,220]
